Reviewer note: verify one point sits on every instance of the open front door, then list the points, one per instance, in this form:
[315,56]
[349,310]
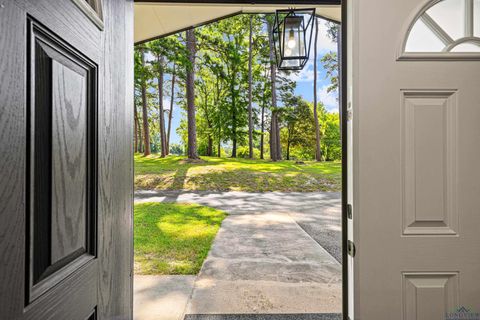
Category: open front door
[66,159]
[415,79]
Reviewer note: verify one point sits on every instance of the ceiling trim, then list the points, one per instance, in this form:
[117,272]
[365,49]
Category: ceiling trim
[229,2]
[212,21]
[190,27]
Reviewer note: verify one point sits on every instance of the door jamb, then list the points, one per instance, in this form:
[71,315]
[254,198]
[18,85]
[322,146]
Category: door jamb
[342,63]
[342,60]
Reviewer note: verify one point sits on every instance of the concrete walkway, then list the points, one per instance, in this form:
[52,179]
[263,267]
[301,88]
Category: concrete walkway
[318,213]
[161,297]
[268,257]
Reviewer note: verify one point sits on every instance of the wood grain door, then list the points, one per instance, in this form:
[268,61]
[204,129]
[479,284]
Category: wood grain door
[66,159]
[415,80]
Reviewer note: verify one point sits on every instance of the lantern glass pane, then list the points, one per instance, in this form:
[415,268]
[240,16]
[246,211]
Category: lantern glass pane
[292,36]
[291,63]
[301,43]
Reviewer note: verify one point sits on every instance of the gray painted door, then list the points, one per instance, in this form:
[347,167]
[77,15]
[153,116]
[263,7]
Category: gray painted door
[416,150]
[66,159]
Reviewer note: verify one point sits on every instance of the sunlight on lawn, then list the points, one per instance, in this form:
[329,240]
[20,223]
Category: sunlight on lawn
[173,238]
[223,174]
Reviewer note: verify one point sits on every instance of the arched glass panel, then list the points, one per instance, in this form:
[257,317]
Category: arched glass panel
[450,16]
[422,39]
[466,47]
[446,26]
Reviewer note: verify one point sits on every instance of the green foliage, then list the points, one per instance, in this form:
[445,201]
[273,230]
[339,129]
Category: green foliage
[330,63]
[243,152]
[221,92]
[176,149]
[331,143]
[298,132]
[330,60]
[173,238]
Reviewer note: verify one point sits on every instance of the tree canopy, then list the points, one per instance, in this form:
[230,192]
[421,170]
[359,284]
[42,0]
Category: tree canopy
[231,58]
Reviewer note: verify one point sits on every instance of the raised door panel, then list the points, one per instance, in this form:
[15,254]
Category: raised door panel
[429,163]
[62,161]
[69,162]
[429,295]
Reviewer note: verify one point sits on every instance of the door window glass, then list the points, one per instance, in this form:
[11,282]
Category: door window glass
[466,47]
[423,39]
[450,16]
[446,26]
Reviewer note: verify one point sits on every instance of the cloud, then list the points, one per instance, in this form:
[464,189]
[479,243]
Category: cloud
[329,99]
[304,75]
[166,104]
[324,43]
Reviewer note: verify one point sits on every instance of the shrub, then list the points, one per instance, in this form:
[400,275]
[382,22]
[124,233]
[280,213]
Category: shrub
[243,152]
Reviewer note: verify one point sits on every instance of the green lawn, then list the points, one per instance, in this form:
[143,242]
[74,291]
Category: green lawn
[173,238]
[227,174]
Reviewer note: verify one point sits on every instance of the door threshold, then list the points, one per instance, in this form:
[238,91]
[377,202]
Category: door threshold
[271,316]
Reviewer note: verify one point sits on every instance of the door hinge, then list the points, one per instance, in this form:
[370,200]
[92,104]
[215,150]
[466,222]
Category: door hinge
[351,248]
[349,211]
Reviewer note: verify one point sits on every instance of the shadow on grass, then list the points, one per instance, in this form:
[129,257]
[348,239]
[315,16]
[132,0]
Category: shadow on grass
[251,181]
[227,174]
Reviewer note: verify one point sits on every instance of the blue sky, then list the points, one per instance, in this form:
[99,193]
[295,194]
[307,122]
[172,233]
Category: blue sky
[304,81]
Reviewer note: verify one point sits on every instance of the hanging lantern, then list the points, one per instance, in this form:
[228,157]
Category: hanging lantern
[292,35]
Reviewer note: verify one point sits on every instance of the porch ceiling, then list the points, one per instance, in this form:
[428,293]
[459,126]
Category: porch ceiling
[156,19]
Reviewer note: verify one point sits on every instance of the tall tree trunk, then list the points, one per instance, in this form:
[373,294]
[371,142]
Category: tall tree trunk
[250,120]
[273,137]
[290,129]
[146,130]
[190,84]
[275,150]
[135,131]
[161,119]
[210,146]
[234,119]
[234,133]
[262,131]
[219,141]
[170,114]
[209,123]
[318,152]
[140,136]
[288,149]
[277,135]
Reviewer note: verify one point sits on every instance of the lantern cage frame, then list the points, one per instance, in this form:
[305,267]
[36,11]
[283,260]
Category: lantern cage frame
[278,33]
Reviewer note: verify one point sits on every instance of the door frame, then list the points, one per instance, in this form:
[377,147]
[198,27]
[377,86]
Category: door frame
[343,104]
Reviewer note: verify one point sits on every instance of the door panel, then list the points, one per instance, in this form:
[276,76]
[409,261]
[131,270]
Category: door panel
[416,179]
[429,295]
[66,150]
[61,159]
[429,166]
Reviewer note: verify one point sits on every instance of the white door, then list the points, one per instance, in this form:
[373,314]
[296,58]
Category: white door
[415,93]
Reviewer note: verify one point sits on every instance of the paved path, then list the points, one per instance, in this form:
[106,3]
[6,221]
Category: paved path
[264,258]
[161,297]
[318,213]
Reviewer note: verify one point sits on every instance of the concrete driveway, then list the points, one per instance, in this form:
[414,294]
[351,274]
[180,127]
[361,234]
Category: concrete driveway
[276,253]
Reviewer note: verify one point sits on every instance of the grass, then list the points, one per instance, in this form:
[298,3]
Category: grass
[173,238]
[227,174]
